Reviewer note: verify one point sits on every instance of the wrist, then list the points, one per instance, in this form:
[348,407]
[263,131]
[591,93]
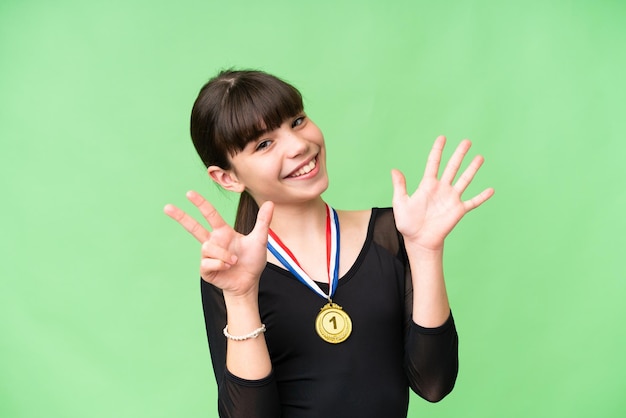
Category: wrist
[242,308]
[242,296]
[242,313]
[239,301]
[424,252]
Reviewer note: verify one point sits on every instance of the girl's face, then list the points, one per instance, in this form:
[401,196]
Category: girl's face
[286,165]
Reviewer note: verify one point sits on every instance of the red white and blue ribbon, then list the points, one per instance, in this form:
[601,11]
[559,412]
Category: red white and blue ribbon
[289,261]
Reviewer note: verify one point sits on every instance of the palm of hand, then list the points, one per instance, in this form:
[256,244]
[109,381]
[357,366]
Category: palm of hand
[231,261]
[240,274]
[429,215]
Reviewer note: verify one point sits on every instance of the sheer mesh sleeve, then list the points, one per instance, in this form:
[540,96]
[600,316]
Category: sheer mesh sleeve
[431,354]
[431,359]
[237,398]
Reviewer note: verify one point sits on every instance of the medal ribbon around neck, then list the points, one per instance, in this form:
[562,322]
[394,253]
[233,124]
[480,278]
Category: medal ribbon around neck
[288,260]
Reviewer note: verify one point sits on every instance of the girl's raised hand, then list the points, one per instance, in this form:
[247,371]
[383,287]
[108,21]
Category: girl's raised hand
[427,216]
[231,261]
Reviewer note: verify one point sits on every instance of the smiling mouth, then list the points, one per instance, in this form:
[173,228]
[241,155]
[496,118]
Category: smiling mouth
[305,169]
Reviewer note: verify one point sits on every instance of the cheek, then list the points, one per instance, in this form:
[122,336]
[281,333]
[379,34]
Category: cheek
[262,172]
[320,134]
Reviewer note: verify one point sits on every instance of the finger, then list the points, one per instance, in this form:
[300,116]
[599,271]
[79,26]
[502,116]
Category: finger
[211,265]
[434,157]
[468,175]
[399,184]
[187,222]
[478,200]
[263,221]
[208,211]
[212,250]
[452,168]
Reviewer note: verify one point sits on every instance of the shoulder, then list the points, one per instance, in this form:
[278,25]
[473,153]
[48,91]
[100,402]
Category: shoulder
[384,232]
[354,227]
[368,219]
[355,219]
[376,224]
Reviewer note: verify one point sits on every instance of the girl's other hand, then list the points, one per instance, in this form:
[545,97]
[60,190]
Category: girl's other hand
[427,217]
[231,261]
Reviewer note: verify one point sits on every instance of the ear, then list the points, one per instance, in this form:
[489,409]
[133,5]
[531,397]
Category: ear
[225,178]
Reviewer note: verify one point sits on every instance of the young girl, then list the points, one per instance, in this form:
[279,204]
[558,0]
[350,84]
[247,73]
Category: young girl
[312,312]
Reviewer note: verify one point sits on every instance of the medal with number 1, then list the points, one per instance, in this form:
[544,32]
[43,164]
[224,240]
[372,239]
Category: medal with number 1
[332,324]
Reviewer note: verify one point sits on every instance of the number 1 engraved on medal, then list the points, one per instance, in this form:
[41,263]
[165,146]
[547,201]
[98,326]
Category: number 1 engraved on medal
[333,324]
[334,321]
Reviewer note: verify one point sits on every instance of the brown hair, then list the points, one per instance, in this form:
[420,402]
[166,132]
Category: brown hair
[233,109]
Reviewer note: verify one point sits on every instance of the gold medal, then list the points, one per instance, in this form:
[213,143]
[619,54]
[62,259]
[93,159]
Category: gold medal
[333,324]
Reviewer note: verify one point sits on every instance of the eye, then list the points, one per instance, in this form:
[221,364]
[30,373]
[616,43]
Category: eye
[263,145]
[298,121]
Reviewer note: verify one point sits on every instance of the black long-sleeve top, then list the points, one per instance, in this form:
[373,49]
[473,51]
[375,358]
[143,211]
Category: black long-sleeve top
[369,374]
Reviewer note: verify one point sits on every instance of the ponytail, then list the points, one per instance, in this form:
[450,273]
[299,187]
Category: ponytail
[247,212]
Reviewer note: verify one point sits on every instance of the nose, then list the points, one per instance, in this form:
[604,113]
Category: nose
[295,145]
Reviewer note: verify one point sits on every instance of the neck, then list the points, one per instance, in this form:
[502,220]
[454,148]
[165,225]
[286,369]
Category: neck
[303,219]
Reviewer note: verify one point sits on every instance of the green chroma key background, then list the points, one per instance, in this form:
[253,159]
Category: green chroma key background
[99,298]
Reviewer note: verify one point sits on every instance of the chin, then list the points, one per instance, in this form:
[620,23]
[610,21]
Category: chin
[314,191]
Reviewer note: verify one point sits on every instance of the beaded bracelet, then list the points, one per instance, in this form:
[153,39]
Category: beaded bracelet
[253,334]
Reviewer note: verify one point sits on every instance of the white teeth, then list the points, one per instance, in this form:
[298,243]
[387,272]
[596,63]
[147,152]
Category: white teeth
[306,169]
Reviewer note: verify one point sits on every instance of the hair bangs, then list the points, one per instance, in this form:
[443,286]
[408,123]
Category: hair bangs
[251,109]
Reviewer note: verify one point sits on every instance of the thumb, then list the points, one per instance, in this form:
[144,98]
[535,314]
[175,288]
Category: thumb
[263,221]
[399,184]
